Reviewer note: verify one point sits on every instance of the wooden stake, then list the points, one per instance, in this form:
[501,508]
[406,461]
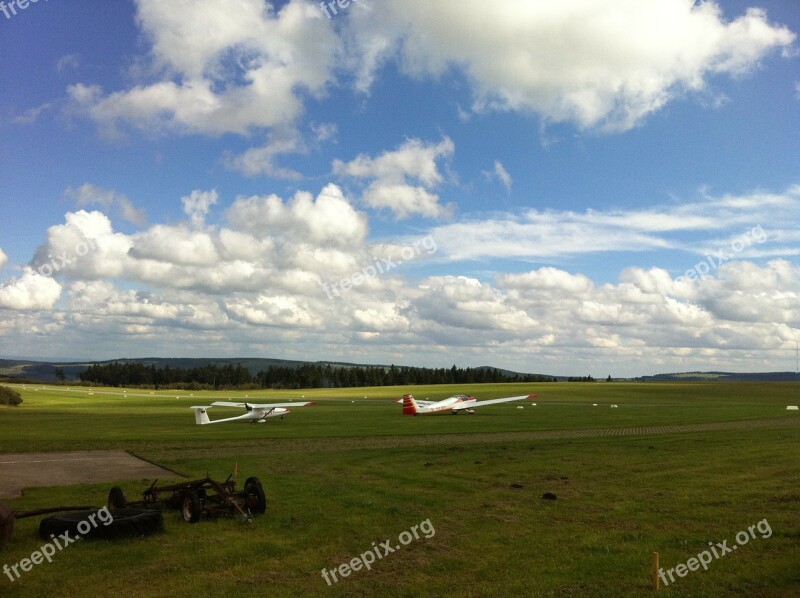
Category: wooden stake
[655,571]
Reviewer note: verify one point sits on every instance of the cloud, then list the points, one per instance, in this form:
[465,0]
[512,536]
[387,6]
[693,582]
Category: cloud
[268,243]
[325,131]
[261,160]
[329,220]
[547,280]
[142,313]
[68,62]
[91,195]
[31,291]
[646,308]
[501,174]
[255,283]
[84,247]
[257,161]
[467,304]
[392,176]
[414,159]
[220,68]
[550,234]
[405,201]
[175,245]
[280,311]
[32,115]
[304,241]
[198,204]
[604,64]
[539,235]
[3,259]
[535,320]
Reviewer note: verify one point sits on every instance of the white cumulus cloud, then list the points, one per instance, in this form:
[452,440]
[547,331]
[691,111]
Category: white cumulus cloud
[402,180]
[328,220]
[223,68]
[198,204]
[596,63]
[31,291]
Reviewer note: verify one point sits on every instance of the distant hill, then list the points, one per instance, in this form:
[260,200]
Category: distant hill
[37,370]
[722,377]
[45,371]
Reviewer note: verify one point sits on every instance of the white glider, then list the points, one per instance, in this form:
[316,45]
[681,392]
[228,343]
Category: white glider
[455,404]
[255,413]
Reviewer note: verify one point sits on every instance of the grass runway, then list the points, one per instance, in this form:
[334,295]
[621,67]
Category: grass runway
[351,472]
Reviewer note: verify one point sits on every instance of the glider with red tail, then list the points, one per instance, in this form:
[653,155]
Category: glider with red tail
[455,404]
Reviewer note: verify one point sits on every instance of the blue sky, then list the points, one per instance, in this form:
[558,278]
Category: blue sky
[587,187]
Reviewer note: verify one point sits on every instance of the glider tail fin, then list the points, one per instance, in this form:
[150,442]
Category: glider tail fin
[201,416]
[409,405]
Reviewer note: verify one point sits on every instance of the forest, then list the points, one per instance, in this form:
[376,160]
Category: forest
[309,375]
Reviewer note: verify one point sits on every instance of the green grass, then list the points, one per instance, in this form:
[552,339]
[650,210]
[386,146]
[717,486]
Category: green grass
[341,475]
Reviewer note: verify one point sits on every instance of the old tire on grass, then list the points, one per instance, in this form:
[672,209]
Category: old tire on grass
[254,496]
[6,524]
[191,508]
[116,499]
[126,523]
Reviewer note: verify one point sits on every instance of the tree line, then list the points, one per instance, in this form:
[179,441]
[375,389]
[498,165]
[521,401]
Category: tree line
[308,375]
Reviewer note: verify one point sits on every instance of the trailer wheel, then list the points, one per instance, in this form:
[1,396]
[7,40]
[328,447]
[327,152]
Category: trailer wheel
[254,496]
[191,509]
[116,499]
[126,523]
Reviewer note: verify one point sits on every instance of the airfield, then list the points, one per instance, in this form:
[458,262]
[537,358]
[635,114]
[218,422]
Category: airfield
[673,467]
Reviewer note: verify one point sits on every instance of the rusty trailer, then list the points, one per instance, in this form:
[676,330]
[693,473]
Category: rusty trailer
[199,498]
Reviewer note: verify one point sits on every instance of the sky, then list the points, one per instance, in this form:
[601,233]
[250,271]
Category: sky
[584,187]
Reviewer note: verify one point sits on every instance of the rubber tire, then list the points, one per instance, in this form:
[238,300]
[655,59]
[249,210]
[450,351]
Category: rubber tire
[116,499]
[6,524]
[252,486]
[127,523]
[195,509]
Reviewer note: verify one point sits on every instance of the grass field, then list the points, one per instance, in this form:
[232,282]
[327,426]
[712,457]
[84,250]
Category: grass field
[351,471]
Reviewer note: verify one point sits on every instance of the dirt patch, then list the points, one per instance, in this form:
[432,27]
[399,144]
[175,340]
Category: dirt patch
[25,470]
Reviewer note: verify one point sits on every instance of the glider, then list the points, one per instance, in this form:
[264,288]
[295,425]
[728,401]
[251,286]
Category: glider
[455,404]
[255,412]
